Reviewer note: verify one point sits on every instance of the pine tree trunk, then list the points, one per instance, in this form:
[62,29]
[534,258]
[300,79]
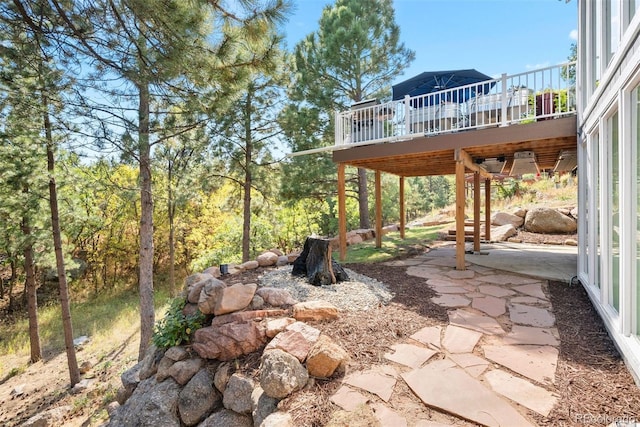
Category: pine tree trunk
[32,298]
[147,314]
[363,199]
[248,181]
[72,362]
[171,210]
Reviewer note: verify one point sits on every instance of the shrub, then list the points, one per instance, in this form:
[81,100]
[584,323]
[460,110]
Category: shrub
[176,328]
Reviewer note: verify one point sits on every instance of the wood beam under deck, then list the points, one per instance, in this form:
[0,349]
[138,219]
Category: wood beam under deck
[378,210]
[476,212]
[460,204]
[487,210]
[402,209]
[342,212]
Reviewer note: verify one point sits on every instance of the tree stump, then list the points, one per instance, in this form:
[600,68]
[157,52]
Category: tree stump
[315,262]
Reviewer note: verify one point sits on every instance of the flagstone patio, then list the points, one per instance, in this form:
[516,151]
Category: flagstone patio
[493,363]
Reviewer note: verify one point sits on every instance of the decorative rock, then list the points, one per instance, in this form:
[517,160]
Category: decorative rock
[243,316]
[315,310]
[502,233]
[281,374]
[282,260]
[267,259]
[82,386]
[309,332]
[194,290]
[571,242]
[277,419]
[190,309]
[237,394]
[521,212]
[546,220]
[177,353]
[184,370]
[503,218]
[130,380]
[112,407]
[292,257]
[275,326]
[209,295]
[325,357]
[226,417]
[257,302]
[163,369]
[226,342]
[250,265]
[234,298]
[198,398]
[354,239]
[221,377]
[213,271]
[152,404]
[261,405]
[514,240]
[292,342]
[276,297]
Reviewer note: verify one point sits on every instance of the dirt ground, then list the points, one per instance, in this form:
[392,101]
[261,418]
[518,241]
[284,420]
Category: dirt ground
[594,386]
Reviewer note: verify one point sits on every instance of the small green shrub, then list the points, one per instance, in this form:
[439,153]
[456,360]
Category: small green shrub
[176,328]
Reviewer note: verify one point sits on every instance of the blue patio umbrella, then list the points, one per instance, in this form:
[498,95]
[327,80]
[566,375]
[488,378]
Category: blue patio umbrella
[435,81]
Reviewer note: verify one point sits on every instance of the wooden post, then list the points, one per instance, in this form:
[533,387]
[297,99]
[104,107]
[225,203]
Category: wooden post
[476,212]
[378,210]
[342,213]
[487,210]
[402,212]
[460,200]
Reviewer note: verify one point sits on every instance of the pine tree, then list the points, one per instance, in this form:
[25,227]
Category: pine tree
[354,55]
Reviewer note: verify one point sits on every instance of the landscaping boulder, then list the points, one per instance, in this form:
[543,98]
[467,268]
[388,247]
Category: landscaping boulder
[281,374]
[504,218]
[226,417]
[234,298]
[267,259]
[549,221]
[210,295]
[502,233]
[151,404]
[262,405]
[228,341]
[326,357]
[315,310]
[237,394]
[276,297]
[198,399]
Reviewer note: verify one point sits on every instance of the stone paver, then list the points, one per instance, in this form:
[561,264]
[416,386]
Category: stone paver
[507,279]
[450,289]
[387,416]
[424,272]
[460,274]
[409,355]
[454,391]
[471,363]
[477,322]
[533,397]
[533,290]
[537,362]
[528,300]
[493,306]
[348,399]
[437,282]
[460,340]
[531,335]
[495,291]
[531,316]
[429,335]
[451,300]
[375,381]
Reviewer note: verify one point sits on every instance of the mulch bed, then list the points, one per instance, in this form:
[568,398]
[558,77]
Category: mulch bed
[593,383]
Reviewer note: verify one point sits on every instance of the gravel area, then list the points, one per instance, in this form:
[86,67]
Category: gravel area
[359,293]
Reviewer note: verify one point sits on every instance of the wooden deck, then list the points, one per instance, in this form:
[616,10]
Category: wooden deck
[429,156]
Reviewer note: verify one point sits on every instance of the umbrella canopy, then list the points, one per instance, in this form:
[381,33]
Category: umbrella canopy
[435,81]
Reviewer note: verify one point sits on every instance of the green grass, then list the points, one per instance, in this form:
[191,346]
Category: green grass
[392,245]
[107,317]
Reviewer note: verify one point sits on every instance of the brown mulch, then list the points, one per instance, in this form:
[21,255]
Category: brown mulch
[593,383]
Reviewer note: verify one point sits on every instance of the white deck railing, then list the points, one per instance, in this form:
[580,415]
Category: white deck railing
[536,95]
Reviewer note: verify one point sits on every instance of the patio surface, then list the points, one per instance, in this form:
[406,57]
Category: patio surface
[494,363]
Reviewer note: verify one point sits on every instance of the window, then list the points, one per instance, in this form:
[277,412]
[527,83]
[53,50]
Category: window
[613,175]
[612,27]
[595,187]
[635,126]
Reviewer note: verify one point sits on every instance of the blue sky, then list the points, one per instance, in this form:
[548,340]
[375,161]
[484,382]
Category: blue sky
[492,36]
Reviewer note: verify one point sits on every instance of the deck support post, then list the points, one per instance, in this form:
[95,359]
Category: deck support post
[342,212]
[378,210]
[402,211]
[487,210]
[476,212]
[460,202]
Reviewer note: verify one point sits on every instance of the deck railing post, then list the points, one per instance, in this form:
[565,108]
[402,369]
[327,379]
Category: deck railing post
[503,101]
[338,134]
[407,122]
